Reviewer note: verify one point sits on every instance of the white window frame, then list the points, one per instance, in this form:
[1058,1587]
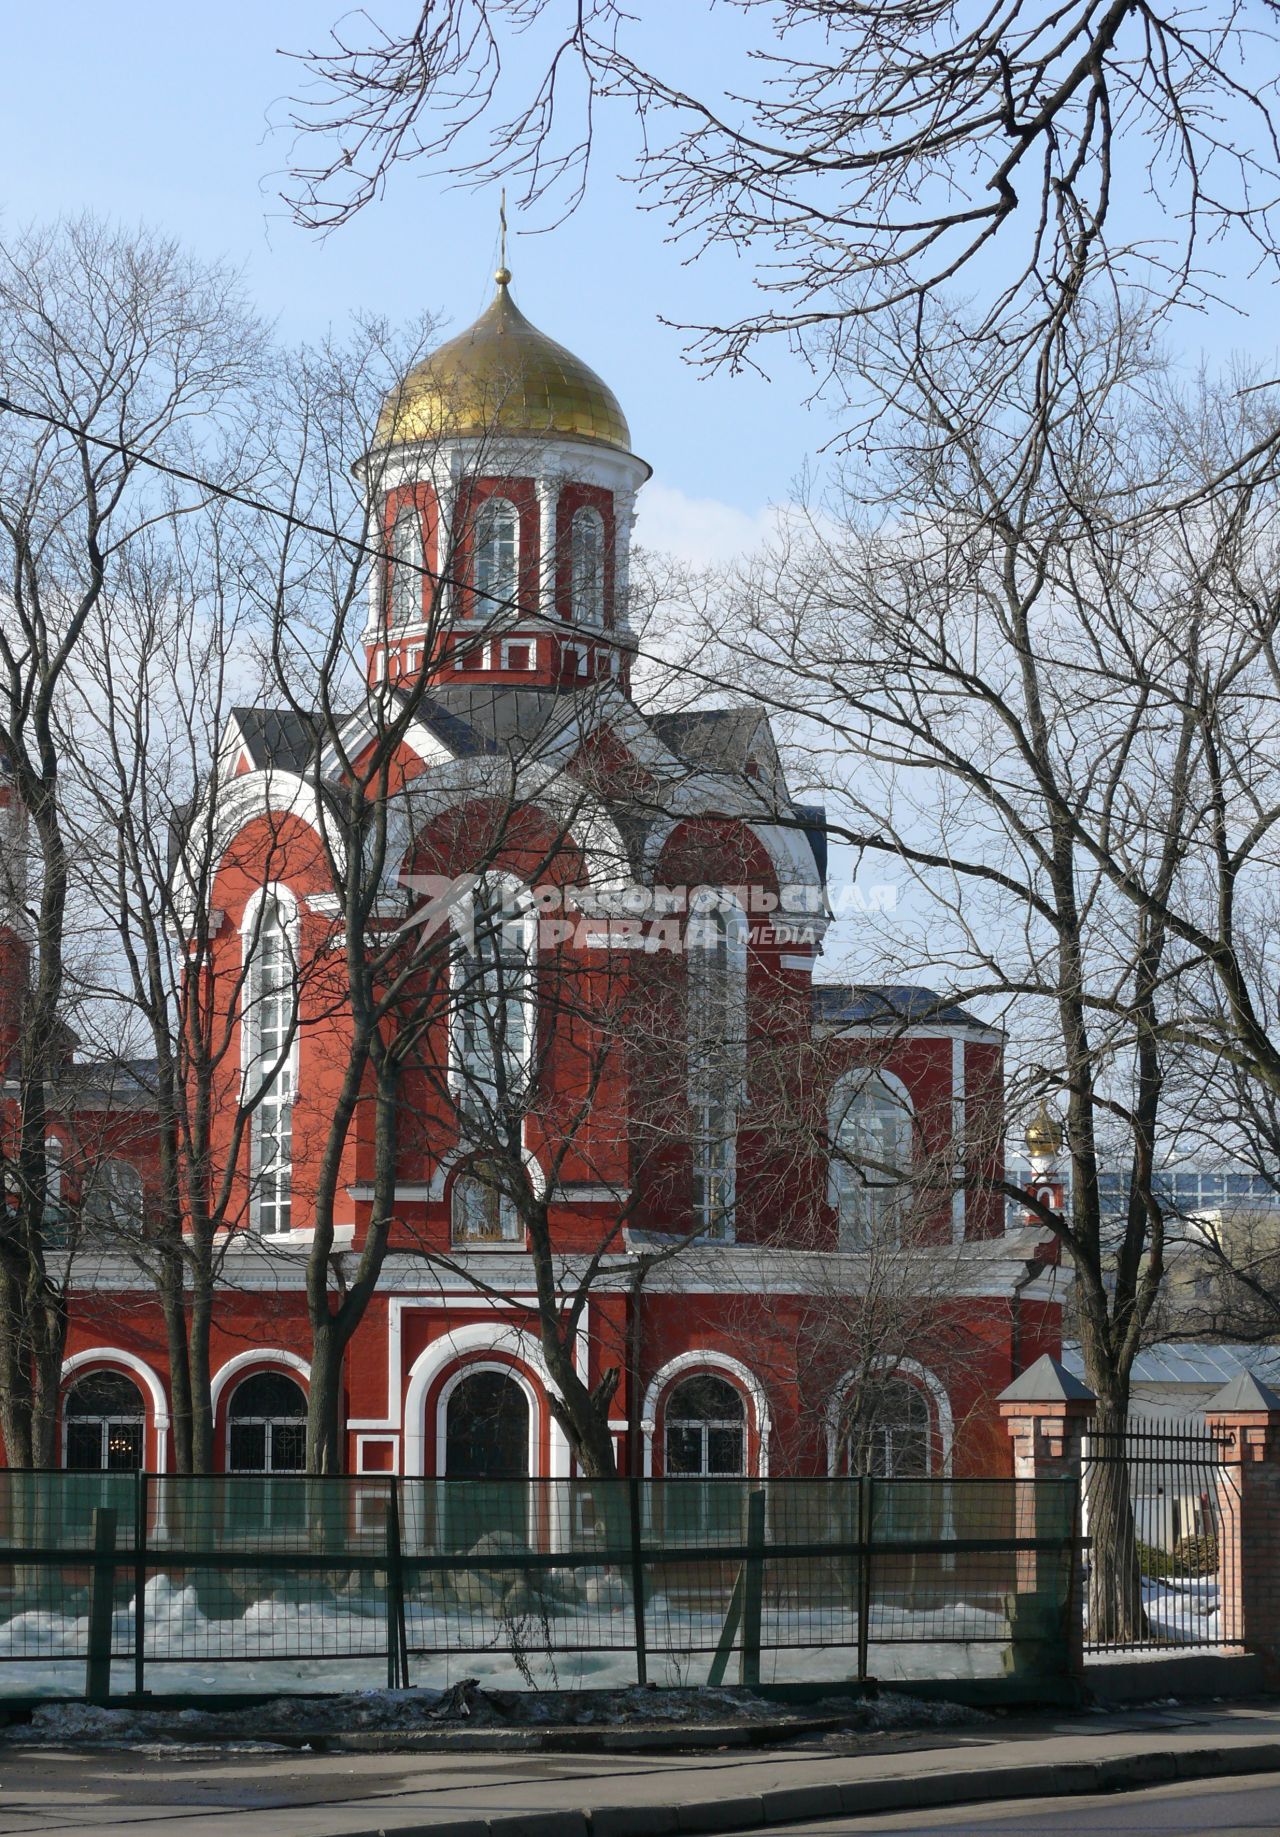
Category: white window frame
[717,1068]
[588,612]
[485,600]
[528,643]
[520,934]
[867,1205]
[408,569]
[284,1069]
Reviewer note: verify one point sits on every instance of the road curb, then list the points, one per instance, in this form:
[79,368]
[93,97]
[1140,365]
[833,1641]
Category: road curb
[866,1798]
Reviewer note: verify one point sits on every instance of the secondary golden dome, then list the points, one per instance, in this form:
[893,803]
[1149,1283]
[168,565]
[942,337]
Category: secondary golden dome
[502,375]
[1044,1135]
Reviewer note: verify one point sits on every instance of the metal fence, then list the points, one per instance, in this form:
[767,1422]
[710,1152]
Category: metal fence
[1159,1501]
[114,1582]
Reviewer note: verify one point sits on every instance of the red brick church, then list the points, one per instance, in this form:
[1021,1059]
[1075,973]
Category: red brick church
[797,1164]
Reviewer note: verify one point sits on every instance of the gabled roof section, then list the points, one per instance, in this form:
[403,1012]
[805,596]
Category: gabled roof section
[277,737]
[716,739]
[888,1005]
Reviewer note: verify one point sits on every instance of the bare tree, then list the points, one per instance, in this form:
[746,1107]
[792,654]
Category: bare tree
[113,344]
[866,157]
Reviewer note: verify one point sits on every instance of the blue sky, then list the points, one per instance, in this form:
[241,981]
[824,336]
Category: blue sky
[164,113]
[145,110]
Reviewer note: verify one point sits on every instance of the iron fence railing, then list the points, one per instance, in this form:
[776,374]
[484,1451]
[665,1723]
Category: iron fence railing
[1159,1500]
[551,1581]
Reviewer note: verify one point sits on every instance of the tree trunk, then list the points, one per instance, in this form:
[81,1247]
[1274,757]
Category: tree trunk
[1115,1611]
[324,1448]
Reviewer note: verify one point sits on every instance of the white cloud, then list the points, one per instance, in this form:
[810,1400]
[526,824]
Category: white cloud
[703,531]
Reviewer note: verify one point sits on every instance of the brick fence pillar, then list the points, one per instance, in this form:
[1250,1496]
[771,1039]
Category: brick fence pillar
[1244,1420]
[1047,1412]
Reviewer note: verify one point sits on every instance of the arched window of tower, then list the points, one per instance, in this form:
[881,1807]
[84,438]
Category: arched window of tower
[587,568]
[496,564]
[406,567]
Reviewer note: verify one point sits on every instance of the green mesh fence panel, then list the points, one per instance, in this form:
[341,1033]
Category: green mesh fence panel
[543,1580]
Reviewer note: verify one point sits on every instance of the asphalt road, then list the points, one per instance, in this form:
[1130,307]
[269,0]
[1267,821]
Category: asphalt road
[1247,1806]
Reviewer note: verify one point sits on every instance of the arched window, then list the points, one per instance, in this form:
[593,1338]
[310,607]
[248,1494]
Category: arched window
[104,1424]
[717,960]
[406,567]
[113,1200]
[706,1422]
[267,1425]
[487,1428]
[271,997]
[480,1212]
[871,1143]
[586,582]
[496,561]
[888,1432]
[492,994]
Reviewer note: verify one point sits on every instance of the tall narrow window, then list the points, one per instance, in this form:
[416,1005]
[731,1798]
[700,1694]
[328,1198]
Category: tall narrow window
[717,942]
[491,999]
[587,567]
[495,567]
[271,990]
[406,567]
[870,1130]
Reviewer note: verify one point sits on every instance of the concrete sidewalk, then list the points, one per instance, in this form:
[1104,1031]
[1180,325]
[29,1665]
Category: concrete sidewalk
[207,1792]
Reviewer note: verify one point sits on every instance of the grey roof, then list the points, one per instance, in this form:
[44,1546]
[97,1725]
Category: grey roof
[277,736]
[1245,1392]
[1190,1362]
[719,739]
[887,1004]
[1047,1381]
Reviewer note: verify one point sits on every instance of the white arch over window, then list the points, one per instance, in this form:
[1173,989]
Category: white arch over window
[910,1371]
[586,567]
[479,1338]
[260,1359]
[407,563]
[269,936]
[108,1356]
[870,1132]
[685,1365]
[495,561]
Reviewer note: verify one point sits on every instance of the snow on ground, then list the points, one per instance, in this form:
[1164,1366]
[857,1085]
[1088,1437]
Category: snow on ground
[278,1642]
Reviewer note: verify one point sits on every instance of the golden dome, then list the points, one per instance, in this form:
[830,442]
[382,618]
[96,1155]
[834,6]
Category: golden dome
[502,375]
[1044,1134]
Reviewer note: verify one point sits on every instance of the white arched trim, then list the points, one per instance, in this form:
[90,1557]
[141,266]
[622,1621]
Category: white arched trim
[477,1338]
[535,1402]
[99,1356]
[788,850]
[682,1366]
[262,1357]
[463,1152]
[913,1373]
